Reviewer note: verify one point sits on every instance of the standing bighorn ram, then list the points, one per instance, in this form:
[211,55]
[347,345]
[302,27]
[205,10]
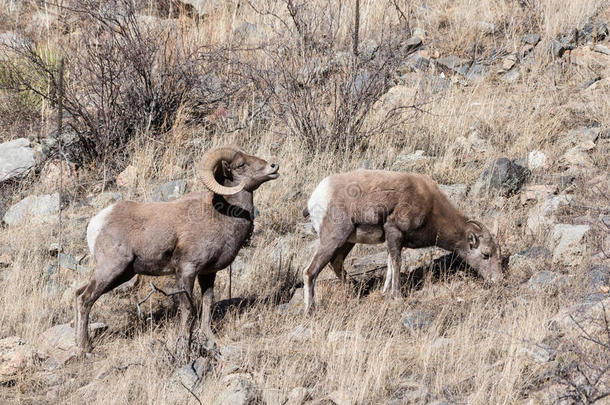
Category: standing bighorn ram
[402,209]
[192,237]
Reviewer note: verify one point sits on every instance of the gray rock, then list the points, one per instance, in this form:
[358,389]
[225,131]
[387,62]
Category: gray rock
[202,7]
[169,191]
[452,62]
[558,48]
[300,332]
[70,262]
[191,374]
[531,39]
[547,281]
[503,177]
[57,343]
[598,277]
[239,390]
[537,160]
[595,32]
[367,50]
[298,396]
[602,49]
[543,215]
[530,259]
[512,76]
[249,33]
[486,28]
[455,192]
[585,315]
[32,207]
[415,320]
[365,164]
[410,161]
[538,353]
[15,356]
[584,134]
[568,243]
[412,43]
[341,397]
[102,200]
[16,158]
[361,81]
[410,392]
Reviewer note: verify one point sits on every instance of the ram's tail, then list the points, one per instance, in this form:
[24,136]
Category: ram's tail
[305,212]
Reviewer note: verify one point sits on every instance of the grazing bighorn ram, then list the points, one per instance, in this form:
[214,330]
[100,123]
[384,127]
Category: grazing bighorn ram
[192,237]
[402,209]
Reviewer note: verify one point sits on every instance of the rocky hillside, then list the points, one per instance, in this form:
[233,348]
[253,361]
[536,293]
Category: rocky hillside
[503,103]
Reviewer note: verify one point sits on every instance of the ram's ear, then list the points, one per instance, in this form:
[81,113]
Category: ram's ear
[473,240]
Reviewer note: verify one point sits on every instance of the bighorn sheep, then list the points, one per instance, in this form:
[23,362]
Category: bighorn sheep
[402,209]
[192,237]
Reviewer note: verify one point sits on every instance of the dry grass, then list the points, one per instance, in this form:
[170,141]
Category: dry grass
[356,343]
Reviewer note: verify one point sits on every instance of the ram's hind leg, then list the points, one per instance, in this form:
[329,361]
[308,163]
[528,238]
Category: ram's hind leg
[332,237]
[339,258]
[105,277]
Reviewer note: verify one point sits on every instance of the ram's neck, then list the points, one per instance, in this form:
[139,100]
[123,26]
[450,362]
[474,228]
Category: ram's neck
[240,205]
[450,225]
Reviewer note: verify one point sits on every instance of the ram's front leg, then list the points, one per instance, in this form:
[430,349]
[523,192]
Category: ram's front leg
[206,335]
[185,280]
[394,240]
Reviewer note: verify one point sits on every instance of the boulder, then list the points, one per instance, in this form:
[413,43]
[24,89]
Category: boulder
[587,315]
[504,177]
[568,243]
[16,158]
[412,43]
[239,389]
[35,207]
[55,170]
[528,260]
[169,191]
[15,356]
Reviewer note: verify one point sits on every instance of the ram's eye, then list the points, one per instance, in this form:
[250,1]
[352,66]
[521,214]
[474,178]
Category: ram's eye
[485,256]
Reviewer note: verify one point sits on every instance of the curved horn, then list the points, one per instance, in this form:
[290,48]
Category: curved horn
[476,223]
[210,160]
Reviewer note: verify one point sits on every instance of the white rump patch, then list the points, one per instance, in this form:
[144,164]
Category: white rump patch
[318,203]
[95,226]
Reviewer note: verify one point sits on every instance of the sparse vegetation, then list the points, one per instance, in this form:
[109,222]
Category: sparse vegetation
[154,84]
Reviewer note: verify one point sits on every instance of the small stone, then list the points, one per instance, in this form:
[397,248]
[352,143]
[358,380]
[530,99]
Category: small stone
[368,48]
[15,356]
[16,158]
[538,192]
[415,320]
[601,49]
[558,48]
[568,241]
[509,62]
[341,397]
[301,333]
[452,62]
[127,177]
[298,396]
[539,353]
[104,199]
[6,256]
[412,43]
[531,39]
[239,390]
[547,281]
[537,160]
[486,28]
[512,76]
[410,161]
[191,374]
[455,192]
[598,278]
[169,191]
